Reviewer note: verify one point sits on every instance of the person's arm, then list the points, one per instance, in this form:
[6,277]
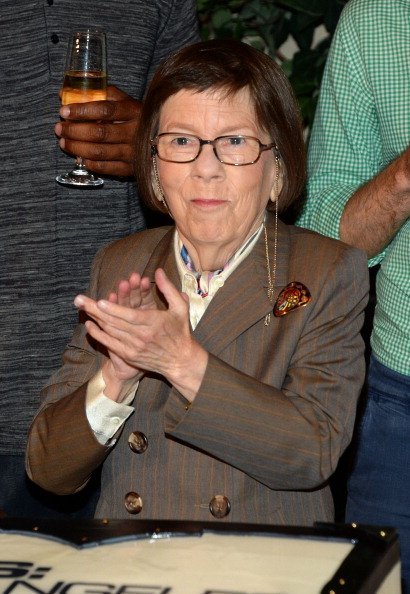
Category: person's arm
[348,197]
[374,214]
[134,336]
[62,449]
[292,436]
[72,418]
[103,132]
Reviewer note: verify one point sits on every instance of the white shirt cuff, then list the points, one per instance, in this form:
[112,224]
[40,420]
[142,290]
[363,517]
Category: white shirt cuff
[106,416]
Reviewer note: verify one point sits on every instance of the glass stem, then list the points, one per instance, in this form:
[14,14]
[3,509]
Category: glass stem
[80,163]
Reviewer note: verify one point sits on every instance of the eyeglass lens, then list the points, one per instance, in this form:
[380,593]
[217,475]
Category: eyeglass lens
[235,150]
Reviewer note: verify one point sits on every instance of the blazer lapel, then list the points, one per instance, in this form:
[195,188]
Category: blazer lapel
[243,300]
[163,257]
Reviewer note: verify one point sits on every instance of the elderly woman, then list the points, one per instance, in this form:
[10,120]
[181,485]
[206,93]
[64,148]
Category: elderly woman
[217,365]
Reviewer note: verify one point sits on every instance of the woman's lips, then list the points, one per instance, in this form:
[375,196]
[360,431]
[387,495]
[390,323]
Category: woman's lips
[208,202]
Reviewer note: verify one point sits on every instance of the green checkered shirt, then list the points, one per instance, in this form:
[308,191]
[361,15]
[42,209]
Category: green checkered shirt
[362,123]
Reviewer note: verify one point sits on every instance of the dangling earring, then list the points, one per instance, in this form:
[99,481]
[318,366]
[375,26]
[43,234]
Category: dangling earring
[272,275]
[275,189]
[159,192]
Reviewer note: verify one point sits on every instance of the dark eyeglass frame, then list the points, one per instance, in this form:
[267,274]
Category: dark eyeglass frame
[262,147]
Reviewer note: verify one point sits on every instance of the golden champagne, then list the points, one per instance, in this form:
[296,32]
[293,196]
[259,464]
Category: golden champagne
[85,80]
[81,87]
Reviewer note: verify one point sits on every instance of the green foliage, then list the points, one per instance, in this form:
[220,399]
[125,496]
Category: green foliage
[267,24]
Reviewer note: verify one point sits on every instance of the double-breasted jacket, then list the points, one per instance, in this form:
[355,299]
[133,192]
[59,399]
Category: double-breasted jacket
[274,412]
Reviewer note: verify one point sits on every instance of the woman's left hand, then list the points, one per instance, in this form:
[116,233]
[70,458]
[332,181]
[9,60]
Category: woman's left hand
[149,339]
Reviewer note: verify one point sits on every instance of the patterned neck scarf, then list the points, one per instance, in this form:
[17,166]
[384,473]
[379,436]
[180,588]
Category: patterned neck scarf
[201,290]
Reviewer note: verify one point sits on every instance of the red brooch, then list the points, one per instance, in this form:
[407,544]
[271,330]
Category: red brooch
[294,295]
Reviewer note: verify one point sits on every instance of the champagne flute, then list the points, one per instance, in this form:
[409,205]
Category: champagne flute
[85,79]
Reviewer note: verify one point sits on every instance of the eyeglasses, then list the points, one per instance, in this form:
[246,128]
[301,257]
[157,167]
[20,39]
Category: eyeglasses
[176,147]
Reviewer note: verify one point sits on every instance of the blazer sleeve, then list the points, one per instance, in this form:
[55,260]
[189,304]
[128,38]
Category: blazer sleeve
[62,450]
[289,436]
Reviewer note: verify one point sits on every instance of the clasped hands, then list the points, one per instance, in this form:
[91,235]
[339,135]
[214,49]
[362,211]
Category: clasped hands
[140,337]
[102,132]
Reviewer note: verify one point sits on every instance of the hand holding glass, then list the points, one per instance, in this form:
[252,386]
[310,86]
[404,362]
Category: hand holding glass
[85,79]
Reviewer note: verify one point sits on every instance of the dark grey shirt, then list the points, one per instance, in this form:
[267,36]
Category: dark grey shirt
[49,233]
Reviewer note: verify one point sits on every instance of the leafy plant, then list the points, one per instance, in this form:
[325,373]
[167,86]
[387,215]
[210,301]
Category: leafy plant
[267,24]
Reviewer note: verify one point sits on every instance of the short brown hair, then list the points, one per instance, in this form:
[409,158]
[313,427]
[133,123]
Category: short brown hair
[227,65]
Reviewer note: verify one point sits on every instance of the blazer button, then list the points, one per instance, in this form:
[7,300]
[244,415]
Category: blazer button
[133,503]
[138,442]
[219,506]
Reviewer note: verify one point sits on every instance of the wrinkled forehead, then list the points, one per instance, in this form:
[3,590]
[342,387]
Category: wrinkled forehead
[213,95]
[213,107]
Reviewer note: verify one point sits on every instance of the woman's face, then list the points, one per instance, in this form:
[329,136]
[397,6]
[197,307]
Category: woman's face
[215,205]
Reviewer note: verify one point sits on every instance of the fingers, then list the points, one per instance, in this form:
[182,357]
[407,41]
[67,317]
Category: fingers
[98,132]
[131,327]
[106,148]
[108,320]
[119,107]
[106,159]
[135,292]
[110,168]
[175,299]
[130,304]
[114,344]
[123,293]
[129,291]
[116,94]
[113,298]
[121,307]
[147,295]
[102,132]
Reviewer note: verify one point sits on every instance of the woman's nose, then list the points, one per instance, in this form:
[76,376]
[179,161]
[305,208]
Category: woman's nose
[207,164]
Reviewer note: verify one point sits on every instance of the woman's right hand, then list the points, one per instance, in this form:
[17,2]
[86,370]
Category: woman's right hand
[156,340]
[134,293]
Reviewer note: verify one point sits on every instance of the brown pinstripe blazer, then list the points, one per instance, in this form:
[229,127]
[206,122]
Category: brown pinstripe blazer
[273,415]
